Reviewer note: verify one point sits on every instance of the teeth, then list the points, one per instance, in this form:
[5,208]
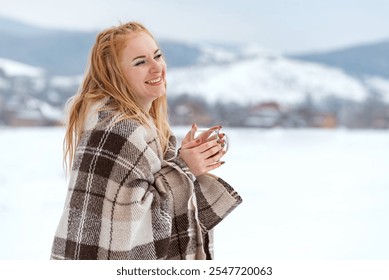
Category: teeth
[154,81]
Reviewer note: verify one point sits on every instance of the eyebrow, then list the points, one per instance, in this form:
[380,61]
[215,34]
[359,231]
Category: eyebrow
[143,56]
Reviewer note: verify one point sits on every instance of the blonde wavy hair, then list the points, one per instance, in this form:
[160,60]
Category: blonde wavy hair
[103,78]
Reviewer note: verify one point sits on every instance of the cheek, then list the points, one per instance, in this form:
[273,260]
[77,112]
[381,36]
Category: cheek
[127,75]
[133,78]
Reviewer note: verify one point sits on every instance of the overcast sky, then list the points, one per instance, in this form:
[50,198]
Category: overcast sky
[283,25]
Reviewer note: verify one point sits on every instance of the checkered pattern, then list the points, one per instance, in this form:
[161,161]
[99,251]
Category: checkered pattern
[128,201]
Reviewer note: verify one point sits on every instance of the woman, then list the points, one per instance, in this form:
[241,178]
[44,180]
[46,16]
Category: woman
[130,195]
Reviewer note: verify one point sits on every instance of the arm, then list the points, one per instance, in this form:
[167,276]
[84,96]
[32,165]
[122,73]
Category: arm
[215,198]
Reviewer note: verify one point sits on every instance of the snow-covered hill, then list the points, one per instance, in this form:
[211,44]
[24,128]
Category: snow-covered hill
[25,93]
[14,74]
[269,77]
[14,68]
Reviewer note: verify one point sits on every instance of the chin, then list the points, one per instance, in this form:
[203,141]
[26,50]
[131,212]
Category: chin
[162,93]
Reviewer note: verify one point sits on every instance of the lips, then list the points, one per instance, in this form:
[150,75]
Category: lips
[155,81]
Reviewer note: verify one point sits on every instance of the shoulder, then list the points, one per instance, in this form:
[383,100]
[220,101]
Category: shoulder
[101,119]
[104,125]
[116,140]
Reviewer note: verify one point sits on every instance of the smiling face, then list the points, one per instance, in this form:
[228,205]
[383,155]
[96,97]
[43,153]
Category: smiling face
[144,68]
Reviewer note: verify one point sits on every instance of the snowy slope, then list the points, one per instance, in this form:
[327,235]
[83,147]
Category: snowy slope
[268,77]
[380,85]
[30,79]
[14,68]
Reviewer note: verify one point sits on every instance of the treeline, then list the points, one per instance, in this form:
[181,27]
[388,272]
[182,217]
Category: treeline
[332,112]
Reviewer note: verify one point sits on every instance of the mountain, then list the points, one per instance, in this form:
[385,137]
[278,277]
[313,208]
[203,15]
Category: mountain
[66,52]
[59,52]
[365,60]
[19,28]
[269,77]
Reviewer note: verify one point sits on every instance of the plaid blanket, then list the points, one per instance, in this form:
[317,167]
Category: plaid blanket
[126,200]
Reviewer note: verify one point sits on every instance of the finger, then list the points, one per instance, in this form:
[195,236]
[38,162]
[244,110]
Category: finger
[222,135]
[208,145]
[216,127]
[214,158]
[205,136]
[211,131]
[191,144]
[189,136]
[212,152]
[213,135]
[214,166]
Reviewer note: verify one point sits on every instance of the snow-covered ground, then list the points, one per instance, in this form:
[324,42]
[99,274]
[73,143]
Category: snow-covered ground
[308,194]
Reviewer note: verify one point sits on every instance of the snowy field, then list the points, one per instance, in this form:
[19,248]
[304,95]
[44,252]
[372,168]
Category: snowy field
[308,194]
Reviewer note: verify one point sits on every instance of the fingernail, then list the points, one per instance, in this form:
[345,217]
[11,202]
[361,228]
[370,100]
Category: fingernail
[193,125]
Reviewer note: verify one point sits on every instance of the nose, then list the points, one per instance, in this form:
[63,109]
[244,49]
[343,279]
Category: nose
[156,67]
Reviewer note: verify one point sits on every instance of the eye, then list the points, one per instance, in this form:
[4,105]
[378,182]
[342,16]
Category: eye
[139,62]
[158,56]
